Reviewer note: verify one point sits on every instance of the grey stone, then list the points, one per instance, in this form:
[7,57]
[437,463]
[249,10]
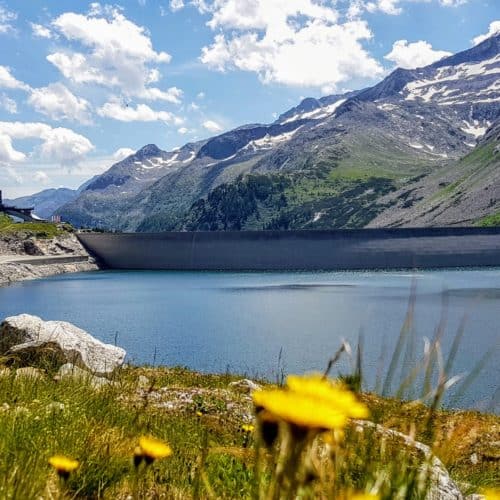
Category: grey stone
[69,370]
[31,339]
[244,386]
[442,487]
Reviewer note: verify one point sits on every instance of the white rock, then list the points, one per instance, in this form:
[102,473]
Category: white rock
[69,370]
[244,386]
[29,372]
[25,334]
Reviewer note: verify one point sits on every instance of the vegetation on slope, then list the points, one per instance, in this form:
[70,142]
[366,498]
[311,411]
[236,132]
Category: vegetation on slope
[31,229]
[202,421]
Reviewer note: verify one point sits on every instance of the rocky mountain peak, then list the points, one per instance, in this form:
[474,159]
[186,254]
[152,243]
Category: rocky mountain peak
[148,151]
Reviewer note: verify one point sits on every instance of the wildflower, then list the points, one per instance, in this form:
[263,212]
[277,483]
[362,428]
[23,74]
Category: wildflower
[64,466]
[150,449]
[491,494]
[199,413]
[317,387]
[362,496]
[311,402]
[247,428]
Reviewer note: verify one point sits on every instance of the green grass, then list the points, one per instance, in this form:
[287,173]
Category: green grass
[28,229]
[490,220]
[212,458]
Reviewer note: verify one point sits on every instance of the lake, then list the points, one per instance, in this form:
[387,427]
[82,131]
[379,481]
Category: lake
[261,324]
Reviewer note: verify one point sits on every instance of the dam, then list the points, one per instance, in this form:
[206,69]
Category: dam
[342,249]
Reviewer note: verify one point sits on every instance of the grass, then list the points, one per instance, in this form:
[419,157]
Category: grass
[490,220]
[201,420]
[44,230]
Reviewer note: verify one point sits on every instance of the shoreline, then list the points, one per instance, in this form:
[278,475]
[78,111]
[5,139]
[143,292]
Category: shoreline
[13,272]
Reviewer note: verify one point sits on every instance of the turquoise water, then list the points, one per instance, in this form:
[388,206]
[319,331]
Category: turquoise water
[242,321]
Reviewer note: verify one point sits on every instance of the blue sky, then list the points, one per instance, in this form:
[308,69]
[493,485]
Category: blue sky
[82,84]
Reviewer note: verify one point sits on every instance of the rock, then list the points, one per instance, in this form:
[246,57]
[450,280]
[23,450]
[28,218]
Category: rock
[244,386]
[441,486]
[474,459]
[69,370]
[30,372]
[143,382]
[36,342]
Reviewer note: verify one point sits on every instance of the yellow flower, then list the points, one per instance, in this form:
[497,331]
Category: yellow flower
[153,449]
[64,466]
[299,409]
[491,494]
[317,387]
[247,428]
[199,414]
[311,401]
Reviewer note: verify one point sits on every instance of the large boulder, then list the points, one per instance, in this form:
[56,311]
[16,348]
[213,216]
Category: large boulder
[32,341]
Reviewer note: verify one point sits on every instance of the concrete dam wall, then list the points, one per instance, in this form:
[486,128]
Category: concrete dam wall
[298,250]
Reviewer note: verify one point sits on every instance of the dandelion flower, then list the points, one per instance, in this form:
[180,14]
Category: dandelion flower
[247,428]
[64,466]
[319,388]
[299,409]
[491,494]
[152,449]
[311,401]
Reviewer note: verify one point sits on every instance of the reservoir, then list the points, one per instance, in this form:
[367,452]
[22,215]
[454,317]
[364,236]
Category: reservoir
[263,324]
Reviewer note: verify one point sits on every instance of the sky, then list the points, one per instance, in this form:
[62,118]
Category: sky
[83,85]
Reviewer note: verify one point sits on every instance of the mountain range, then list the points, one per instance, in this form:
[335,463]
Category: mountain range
[421,148]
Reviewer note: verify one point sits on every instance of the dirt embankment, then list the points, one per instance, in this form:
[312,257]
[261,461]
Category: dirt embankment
[24,256]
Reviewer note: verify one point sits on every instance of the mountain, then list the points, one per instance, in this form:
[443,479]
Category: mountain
[339,161]
[46,202]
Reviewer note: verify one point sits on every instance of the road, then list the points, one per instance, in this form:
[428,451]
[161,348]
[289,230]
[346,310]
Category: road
[42,259]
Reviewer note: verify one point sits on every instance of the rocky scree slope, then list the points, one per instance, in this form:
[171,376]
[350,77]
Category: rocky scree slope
[329,162]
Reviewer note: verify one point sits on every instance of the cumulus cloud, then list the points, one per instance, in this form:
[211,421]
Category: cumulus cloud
[57,102]
[122,153]
[414,55]
[140,113]
[7,81]
[297,43]
[40,31]
[41,177]
[8,104]
[58,145]
[6,19]
[212,126]
[114,52]
[176,5]
[182,130]
[494,29]
[390,7]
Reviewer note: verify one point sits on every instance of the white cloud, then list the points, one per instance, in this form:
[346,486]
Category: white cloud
[59,145]
[6,19]
[200,95]
[183,130]
[494,29]
[122,153]
[41,177]
[128,113]
[212,126]
[114,52]
[8,104]
[8,154]
[7,81]
[40,31]
[176,5]
[390,7]
[296,43]
[57,102]
[414,55]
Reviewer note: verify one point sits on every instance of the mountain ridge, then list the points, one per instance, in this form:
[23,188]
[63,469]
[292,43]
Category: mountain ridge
[413,123]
